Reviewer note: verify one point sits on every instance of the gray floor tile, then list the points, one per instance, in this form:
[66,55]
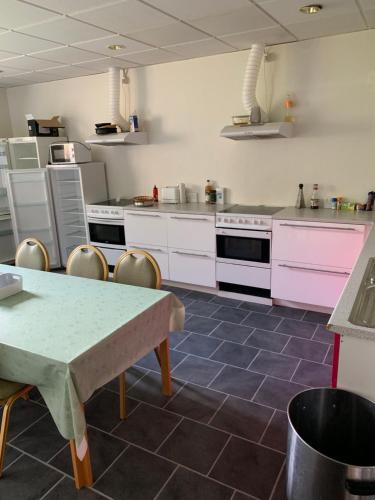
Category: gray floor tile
[197,403]
[226,301]
[150,361]
[179,292]
[232,332]
[187,485]
[176,338]
[276,434]
[66,490]
[133,374]
[280,490]
[306,349]
[277,393]
[200,296]
[323,335]
[287,312]
[197,370]
[230,314]
[27,479]
[316,317]
[23,414]
[186,300]
[241,496]
[248,467]
[253,306]
[297,328]
[136,475]
[242,418]
[313,374]
[238,382]
[194,445]
[277,365]
[262,321]
[272,341]
[42,440]
[136,428]
[200,345]
[200,324]
[235,354]
[104,449]
[202,308]
[10,455]
[103,410]
[149,390]
[329,357]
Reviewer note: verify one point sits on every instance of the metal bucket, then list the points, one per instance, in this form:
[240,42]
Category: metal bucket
[331,446]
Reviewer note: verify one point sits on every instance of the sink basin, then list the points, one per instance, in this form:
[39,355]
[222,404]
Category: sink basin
[363,311]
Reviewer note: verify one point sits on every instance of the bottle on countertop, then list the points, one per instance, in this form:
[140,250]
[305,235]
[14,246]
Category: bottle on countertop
[300,203]
[207,190]
[370,201]
[220,196]
[182,189]
[155,193]
[314,201]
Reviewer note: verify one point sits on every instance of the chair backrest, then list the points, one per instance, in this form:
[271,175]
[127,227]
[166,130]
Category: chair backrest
[87,261]
[139,268]
[32,253]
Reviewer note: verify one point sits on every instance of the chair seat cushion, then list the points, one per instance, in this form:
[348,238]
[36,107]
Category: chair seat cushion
[8,388]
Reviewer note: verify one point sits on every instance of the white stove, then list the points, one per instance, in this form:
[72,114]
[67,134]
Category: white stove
[109,209]
[257,218]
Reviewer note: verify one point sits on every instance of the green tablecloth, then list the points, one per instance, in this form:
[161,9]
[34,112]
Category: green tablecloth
[69,336]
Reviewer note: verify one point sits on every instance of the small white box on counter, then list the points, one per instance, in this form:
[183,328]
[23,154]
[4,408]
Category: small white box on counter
[10,284]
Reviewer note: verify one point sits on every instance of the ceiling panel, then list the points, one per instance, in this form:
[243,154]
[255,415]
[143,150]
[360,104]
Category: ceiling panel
[269,36]
[196,9]
[239,20]
[6,55]
[327,26]
[127,16]
[28,63]
[23,44]
[68,71]
[201,48]
[368,7]
[101,45]
[153,56]
[69,6]
[10,81]
[36,77]
[15,14]
[67,55]
[65,30]
[170,34]
[101,65]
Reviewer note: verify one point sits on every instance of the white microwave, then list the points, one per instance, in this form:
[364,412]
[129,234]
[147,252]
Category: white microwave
[64,153]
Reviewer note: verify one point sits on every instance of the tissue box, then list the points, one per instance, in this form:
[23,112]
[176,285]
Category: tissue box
[10,284]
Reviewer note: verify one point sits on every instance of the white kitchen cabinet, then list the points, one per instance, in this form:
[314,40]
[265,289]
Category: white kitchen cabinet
[160,254]
[195,267]
[317,243]
[146,228]
[259,277]
[307,283]
[7,247]
[191,232]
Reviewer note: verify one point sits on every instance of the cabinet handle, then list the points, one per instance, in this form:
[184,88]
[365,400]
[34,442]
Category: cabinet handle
[189,218]
[343,273]
[149,249]
[143,215]
[193,254]
[304,226]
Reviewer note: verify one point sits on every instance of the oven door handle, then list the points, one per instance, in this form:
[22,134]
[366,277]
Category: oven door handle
[108,222]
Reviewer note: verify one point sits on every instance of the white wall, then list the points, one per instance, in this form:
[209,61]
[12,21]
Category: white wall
[5,125]
[185,104]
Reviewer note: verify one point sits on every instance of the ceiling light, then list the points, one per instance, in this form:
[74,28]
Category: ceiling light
[116,46]
[311,9]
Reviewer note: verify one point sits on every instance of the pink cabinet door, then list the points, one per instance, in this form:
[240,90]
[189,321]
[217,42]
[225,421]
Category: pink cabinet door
[307,284]
[336,245]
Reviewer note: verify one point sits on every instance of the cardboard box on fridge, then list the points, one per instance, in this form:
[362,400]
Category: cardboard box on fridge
[44,127]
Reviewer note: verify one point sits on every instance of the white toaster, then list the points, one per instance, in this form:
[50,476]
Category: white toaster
[170,194]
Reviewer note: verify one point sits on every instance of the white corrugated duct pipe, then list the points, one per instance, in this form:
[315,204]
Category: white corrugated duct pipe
[254,61]
[114,97]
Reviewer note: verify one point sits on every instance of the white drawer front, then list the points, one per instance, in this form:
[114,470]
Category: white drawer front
[197,268]
[192,232]
[243,275]
[335,245]
[307,284]
[147,228]
[160,254]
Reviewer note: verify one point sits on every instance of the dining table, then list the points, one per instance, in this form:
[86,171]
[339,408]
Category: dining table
[69,336]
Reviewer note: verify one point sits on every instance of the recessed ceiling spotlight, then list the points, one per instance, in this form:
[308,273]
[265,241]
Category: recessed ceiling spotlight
[116,46]
[311,9]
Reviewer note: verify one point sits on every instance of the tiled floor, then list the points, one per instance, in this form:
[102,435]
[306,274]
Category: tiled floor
[221,436]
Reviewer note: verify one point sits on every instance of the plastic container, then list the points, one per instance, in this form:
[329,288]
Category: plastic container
[10,284]
[220,195]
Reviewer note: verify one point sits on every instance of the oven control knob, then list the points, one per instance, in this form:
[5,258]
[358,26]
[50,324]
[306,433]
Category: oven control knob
[256,221]
[226,220]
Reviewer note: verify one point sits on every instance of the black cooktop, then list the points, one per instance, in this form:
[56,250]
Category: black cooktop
[252,210]
[115,202]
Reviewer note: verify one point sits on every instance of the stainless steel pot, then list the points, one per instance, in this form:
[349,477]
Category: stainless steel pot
[331,446]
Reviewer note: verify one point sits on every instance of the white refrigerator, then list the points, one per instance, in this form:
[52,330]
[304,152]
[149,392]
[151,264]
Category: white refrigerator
[49,204]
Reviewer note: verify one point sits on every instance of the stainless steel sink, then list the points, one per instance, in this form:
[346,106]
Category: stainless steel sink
[363,311]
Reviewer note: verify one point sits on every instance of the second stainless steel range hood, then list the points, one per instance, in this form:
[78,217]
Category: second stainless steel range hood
[131,138]
[258,131]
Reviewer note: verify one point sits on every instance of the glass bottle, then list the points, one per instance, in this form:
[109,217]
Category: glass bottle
[288,105]
[207,190]
[300,203]
[314,202]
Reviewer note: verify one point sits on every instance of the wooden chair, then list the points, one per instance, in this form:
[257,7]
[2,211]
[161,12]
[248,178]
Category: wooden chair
[31,253]
[139,268]
[87,261]
[9,393]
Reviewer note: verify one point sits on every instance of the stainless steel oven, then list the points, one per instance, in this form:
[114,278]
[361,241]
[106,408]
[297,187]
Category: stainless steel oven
[243,247]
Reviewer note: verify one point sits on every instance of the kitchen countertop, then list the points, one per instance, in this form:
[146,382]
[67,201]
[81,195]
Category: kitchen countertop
[325,215]
[183,208]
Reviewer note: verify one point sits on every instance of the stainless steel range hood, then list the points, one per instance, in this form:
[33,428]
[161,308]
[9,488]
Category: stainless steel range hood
[258,131]
[131,138]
